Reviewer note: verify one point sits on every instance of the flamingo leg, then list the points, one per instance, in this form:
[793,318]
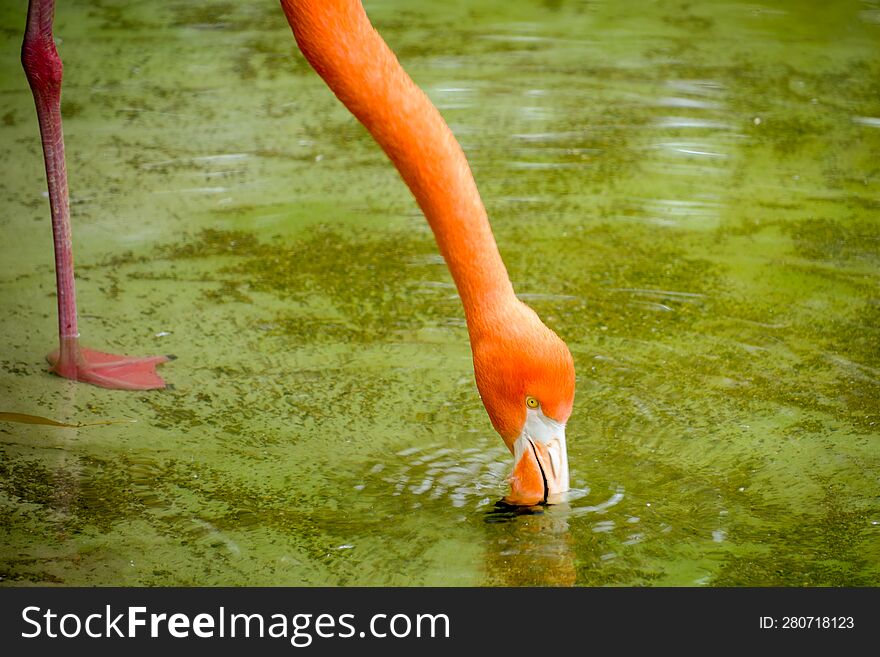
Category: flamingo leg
[43,69]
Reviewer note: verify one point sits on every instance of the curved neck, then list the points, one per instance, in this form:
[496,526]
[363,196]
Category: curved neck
[339,42]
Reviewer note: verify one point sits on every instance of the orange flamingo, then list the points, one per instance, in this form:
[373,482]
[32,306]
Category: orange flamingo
[524,372]
[43,69]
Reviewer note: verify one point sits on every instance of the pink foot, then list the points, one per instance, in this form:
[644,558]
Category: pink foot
[106,370]
[44,71]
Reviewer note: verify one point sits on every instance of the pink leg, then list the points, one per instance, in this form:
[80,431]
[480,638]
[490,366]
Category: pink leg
[42,65]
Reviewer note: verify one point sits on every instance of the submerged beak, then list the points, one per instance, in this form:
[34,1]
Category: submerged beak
[540,470]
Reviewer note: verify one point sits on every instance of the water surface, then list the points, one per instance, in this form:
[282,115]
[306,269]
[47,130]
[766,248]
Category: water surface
[687,193]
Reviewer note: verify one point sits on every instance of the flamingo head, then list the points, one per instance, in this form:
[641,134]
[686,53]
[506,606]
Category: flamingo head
[525,375]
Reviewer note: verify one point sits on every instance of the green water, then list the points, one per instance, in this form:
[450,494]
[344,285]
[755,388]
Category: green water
[688,193]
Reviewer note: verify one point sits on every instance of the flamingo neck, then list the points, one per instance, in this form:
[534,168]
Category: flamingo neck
[339,42]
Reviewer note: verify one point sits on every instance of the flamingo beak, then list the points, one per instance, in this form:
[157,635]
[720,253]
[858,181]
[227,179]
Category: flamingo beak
[540,471]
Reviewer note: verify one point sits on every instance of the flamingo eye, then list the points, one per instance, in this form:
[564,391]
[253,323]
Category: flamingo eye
[531,402]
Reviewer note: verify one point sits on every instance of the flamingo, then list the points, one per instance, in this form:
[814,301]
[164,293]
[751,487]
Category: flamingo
[43,69]
[524,372]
